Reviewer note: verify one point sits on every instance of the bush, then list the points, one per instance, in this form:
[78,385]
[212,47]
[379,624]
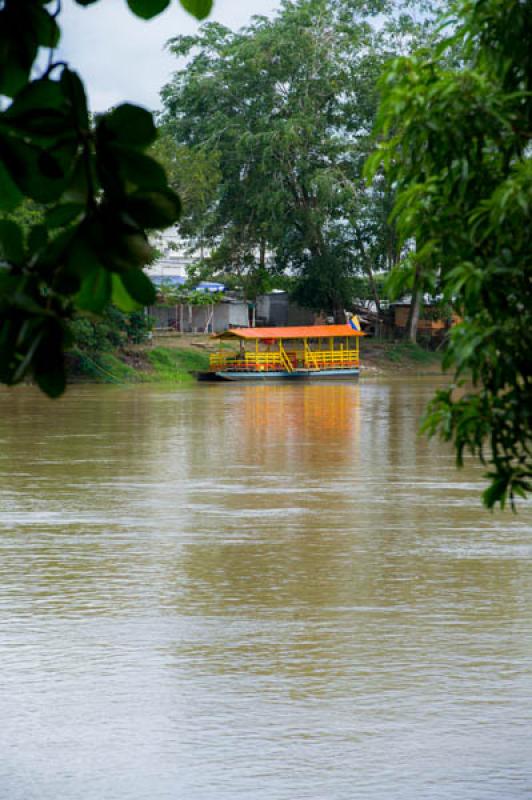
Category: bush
[112,330]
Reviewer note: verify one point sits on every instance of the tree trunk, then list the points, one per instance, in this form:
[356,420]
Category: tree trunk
[366,266]
[413,315]
[338,311]
[373,286]
[210,315]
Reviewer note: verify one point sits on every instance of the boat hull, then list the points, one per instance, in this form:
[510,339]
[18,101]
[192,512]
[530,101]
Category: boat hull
[227,375]
[330,374]
[296,375]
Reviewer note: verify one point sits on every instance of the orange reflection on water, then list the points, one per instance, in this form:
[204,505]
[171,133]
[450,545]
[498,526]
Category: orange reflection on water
[312,418]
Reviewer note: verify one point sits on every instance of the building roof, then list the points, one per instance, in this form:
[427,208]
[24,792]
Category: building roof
[292,332]
[179,280]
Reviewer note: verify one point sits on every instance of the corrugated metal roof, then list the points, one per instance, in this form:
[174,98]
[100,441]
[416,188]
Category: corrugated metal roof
[292,332]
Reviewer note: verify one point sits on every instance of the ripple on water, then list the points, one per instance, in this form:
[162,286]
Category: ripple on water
[255,592]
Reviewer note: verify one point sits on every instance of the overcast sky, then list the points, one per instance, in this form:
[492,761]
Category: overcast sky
[121,57]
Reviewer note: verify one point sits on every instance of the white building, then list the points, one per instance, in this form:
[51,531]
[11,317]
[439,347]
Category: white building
[174,258]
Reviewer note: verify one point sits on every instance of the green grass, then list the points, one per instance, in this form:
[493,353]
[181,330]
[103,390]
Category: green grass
[174,365]
[406,351]
[164,364]
[103,368]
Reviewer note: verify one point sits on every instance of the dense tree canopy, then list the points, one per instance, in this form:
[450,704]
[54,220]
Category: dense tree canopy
[194,173]
[96,189]
[457,144]
[288,105]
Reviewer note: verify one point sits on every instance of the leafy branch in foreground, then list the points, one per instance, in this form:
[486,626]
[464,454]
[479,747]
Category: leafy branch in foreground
[96,188]
[456,141]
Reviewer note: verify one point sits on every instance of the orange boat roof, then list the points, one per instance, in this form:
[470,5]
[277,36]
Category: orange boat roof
[292,332]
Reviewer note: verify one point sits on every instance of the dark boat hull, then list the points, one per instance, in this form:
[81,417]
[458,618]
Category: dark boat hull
[296,375]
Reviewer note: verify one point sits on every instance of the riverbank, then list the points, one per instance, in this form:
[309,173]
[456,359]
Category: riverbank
[176,359]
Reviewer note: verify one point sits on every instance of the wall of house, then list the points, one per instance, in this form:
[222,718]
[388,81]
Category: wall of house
[401,316]
[435,326]
[197,319]
[238,315]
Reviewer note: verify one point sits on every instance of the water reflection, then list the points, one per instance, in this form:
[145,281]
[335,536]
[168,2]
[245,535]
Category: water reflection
[255,591]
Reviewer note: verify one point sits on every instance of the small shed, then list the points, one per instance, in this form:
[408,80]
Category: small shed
[276,308]
[431,321]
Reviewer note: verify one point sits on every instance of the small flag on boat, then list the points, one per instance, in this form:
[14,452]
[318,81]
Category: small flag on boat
[355,323]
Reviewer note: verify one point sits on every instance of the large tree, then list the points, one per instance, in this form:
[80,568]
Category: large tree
[96,188]
[288,104]
[456,141]
[194,174]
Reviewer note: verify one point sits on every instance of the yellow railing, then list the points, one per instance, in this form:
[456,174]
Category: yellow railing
[286,361]
[251,362]
[329,359]
[310,358]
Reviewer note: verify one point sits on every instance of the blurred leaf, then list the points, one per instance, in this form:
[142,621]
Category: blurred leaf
[153,209]
[128,125]
[147,8]
[11,242]
[95,292]
[37,238]
[48,363]
[121,298]
[74,90]
[63,214]
[46,28]
[10,194]
[21,30]
[139,287]
[38,175]
[139,170]
[199,8]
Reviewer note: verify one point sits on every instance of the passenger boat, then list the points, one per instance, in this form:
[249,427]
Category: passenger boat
[294,353]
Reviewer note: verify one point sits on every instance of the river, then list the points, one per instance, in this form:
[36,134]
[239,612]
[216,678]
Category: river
[258,592]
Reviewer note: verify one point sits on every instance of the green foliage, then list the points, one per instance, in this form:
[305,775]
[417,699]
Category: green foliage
[111,330]
[363,288]
[168,294]
[194,174]
[456,142]
[138,327]
[287,106]
[102,367]
[97,188]
[407,351]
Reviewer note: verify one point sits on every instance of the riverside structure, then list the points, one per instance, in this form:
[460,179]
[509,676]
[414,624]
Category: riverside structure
[292,353]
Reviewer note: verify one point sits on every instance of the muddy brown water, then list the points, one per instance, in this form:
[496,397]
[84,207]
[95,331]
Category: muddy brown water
[264,592]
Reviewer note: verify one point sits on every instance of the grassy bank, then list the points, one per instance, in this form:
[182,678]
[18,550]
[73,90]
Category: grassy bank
[154,364]
[397,357]
[176,364]
[177,359]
